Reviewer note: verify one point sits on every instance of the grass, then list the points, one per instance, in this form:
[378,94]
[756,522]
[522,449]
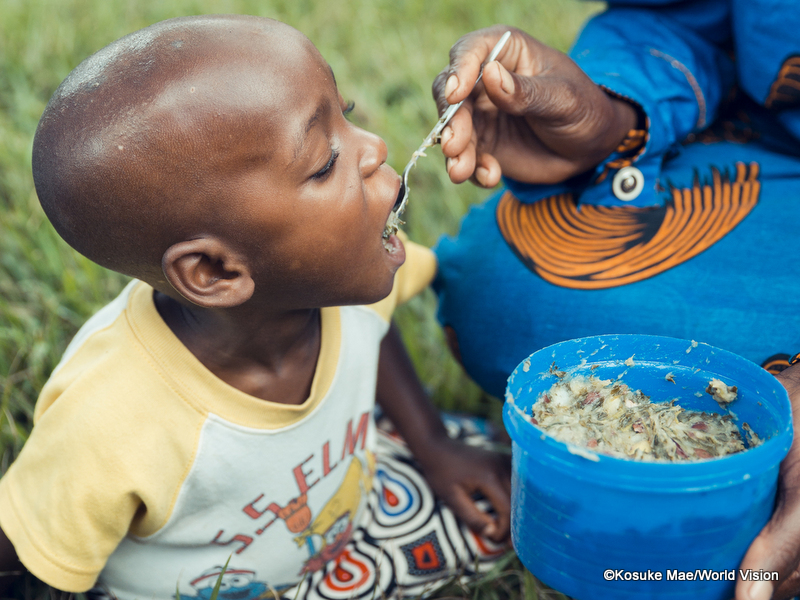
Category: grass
[507,580]
[385,54]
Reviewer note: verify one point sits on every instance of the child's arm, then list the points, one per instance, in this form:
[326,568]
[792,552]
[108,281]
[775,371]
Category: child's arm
[453,470]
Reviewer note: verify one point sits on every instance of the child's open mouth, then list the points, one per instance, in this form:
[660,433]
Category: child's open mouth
[392,225]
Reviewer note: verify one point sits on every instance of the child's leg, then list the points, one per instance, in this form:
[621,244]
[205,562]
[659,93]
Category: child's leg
[413,544]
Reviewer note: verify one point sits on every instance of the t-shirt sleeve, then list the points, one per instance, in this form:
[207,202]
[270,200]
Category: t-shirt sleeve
[63,520]
[412,277]
[92,470]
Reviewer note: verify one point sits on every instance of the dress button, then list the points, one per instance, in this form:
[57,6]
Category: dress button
[628,183]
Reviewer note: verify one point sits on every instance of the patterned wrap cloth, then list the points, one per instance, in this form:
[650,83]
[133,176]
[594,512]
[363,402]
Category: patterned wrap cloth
[702,250]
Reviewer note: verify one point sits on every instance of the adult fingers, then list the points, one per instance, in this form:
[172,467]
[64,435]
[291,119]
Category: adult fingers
[549,98]
[776,549]
[437,89]
[467,55]
[457,135]
[487,171]
[462,166]
[461,141]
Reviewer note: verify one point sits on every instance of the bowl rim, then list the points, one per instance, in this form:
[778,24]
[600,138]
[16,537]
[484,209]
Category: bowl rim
[592,465]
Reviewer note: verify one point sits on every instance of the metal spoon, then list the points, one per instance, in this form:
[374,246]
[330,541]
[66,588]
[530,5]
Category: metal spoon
[434,136]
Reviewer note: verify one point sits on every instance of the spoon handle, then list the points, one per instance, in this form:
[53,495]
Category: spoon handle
[433,136]
[453,108]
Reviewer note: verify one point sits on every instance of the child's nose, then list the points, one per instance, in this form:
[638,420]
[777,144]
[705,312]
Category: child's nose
[374,153]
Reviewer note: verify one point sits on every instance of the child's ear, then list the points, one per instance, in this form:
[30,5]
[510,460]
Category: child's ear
[208,273]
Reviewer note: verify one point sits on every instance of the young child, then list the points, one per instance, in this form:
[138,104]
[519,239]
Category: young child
[221,407]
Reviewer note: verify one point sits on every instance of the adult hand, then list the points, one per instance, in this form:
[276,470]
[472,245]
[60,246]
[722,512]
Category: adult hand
[455,471]
[777,547]
[535,117]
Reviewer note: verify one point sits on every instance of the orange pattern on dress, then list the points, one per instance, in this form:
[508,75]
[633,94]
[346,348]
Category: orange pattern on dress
[785,90]
[597,247]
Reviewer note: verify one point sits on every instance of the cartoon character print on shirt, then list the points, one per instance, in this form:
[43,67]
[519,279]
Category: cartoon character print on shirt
[324,535]
[330,531]
[235,584]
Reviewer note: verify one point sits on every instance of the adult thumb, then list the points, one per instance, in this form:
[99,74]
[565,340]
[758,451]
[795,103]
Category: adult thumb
[775,550]
[535,95]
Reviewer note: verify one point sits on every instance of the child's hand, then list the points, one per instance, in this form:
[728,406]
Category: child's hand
[455,471]
[535,117]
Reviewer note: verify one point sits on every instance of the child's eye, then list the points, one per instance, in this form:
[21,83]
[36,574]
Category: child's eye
[325,171]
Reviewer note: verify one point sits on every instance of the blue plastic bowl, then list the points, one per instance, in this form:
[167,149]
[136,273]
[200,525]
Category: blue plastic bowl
[577,514]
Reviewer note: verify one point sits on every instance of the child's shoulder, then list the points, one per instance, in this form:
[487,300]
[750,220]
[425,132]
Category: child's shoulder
[114,364]
[412,277]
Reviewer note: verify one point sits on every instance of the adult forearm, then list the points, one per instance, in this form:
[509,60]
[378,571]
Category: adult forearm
[675,75]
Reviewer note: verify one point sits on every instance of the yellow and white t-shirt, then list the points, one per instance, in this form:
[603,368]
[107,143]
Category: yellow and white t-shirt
[144,471]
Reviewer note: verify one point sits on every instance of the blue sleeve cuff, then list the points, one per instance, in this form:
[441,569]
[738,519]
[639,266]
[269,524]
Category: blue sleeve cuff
[674,77]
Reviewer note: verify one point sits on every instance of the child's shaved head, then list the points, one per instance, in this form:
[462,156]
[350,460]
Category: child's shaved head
[211,156]
[125,155]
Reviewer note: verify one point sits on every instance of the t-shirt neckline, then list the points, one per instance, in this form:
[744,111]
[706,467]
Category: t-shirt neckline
[207,392]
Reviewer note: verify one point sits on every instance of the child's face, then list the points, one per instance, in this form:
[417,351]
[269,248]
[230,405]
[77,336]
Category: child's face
[301,191]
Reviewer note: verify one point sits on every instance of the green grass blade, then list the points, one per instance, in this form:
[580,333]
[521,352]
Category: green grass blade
[215,591]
